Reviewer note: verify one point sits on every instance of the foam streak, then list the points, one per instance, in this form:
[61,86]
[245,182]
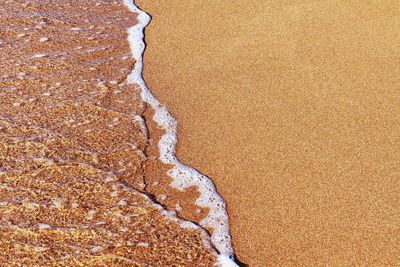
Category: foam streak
[183,175]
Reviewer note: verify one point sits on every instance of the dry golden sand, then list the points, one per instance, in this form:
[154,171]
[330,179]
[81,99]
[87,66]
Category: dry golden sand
[293,108]
[76,155]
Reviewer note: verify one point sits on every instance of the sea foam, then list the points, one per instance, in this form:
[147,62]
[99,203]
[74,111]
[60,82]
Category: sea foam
[183,176]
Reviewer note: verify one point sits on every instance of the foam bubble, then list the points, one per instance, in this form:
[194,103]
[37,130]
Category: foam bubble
[225,261]
[183,175]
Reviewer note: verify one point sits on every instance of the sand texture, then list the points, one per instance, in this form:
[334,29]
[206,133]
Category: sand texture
[293,108]
[77,148]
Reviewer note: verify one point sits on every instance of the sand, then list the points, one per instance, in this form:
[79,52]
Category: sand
[293,109]
[76,152]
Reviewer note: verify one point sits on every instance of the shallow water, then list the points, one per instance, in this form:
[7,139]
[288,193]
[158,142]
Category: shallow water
[79,164]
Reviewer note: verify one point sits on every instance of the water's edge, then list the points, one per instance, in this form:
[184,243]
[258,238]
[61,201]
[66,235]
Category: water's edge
[183,176]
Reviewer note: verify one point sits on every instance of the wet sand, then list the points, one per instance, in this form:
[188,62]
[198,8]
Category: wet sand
[293,108]
[77,149]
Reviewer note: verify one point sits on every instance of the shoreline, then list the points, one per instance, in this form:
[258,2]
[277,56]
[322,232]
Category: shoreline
[80,174]
[183,175]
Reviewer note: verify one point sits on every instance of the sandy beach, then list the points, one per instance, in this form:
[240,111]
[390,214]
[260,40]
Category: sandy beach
[80,175]
[293,109]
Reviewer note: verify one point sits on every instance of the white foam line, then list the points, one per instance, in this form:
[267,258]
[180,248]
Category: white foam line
[183,175]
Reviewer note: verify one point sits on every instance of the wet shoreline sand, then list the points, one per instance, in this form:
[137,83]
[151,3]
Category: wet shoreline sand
[292,108]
